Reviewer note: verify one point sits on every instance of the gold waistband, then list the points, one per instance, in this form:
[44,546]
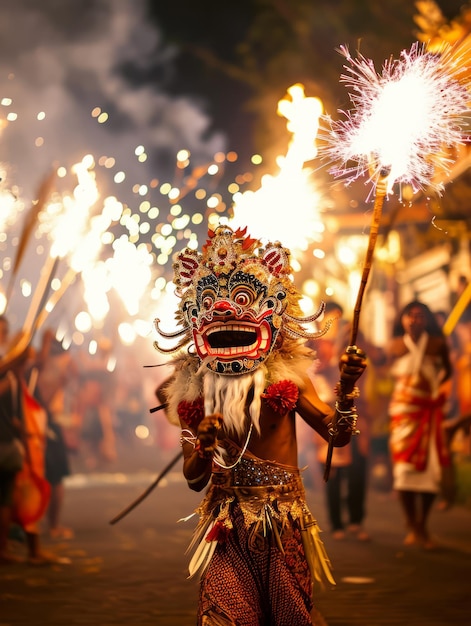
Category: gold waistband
[264,492]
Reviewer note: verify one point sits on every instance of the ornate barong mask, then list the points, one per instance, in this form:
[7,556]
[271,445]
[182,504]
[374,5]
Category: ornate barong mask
[238,302]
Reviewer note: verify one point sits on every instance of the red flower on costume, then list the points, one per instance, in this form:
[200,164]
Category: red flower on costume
[191,412]
[282,396]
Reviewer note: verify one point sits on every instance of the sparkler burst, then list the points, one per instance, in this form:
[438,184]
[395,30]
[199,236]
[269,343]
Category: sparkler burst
[404,121]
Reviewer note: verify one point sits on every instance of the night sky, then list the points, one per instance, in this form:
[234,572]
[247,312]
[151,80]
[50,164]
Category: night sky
[141,62]
[221,30]
[167,76]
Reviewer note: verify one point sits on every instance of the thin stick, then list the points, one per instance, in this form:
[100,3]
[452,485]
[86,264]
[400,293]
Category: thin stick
[150,488]
[377,210]
[41,291]
[29,224]
[66,282]
[36,307]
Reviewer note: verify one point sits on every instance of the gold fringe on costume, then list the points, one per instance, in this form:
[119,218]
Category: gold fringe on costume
[267,510]
[314,549]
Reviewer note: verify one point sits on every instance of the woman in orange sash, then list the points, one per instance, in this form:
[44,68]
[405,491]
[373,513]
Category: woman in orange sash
[420,367]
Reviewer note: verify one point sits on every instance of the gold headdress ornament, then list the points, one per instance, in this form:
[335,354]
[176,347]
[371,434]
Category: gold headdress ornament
[238,302]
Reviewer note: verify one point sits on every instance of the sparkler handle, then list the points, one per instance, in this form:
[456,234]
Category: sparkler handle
[377,210]
[381,188]
[343,393]
[40,294]
[66,282]
[27,230]
[30,325]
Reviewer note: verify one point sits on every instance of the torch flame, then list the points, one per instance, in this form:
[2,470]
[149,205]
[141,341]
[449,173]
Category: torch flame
[290,190]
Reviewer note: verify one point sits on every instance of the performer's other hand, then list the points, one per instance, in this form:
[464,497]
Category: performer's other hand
[207,433]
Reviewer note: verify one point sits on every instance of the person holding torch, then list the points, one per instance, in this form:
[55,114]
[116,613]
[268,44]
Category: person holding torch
[234,395]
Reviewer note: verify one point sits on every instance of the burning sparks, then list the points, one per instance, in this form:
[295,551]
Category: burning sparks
[8,204]
[121,253]
[131,264]
[403,120]
[291,190]
[130,272]
[113,251]
[71,222]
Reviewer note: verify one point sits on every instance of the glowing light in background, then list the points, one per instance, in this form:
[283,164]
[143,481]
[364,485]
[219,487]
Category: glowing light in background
[286,206]
[129,271]
[83,322]
[126,333]
[96,284]
[8,203]
[142,432]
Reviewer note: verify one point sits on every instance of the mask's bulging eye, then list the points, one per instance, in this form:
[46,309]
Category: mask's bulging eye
[190,310]
[242,296]
[207,299]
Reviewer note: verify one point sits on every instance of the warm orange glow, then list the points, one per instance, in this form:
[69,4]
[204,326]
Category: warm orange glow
[286,206]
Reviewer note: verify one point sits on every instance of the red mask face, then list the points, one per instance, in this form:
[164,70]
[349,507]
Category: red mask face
[234,302]
[237,297]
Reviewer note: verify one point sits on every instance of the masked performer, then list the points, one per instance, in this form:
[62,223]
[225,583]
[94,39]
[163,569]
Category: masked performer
[235,395]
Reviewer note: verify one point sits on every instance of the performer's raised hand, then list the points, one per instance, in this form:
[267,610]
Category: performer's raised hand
[207,433]
[352,364]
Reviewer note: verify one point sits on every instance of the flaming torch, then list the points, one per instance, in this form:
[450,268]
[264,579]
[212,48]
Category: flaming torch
[402,128]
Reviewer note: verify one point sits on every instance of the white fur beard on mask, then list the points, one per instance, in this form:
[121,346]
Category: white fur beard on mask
[228,395]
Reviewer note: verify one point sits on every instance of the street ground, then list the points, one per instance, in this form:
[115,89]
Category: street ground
[135,572]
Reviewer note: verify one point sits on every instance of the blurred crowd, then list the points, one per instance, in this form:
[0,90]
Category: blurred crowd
[63,413]
[407,397]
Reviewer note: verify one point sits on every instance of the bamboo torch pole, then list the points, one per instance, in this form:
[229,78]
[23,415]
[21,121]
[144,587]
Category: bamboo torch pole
[66,282]
[381,188]
[29,225]
[377,211]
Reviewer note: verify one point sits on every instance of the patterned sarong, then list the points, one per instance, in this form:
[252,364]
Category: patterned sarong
[258,548]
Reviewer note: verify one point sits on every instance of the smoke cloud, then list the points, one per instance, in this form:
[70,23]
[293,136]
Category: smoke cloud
[63,59]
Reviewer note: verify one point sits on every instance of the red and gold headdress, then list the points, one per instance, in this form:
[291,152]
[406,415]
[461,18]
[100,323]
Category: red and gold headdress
[238,301]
